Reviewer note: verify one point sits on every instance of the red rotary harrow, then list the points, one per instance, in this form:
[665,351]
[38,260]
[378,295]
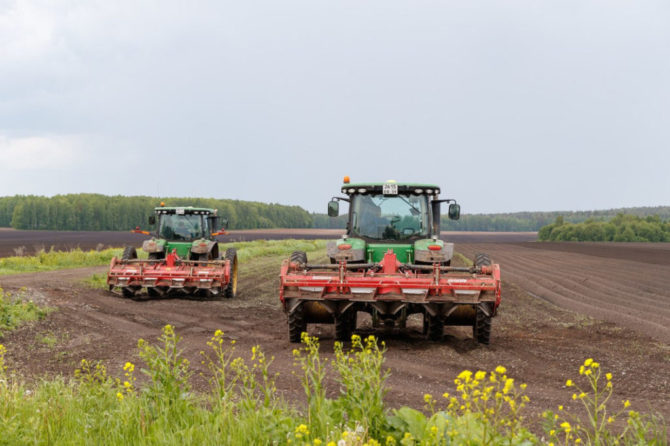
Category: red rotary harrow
[390,290]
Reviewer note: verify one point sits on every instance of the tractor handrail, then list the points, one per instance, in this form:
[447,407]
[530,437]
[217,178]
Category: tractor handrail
[410,266]
[187,262]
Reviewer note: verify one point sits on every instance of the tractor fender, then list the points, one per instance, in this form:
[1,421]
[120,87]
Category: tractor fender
[202,246]
[428,256]
[153,245]
[350,255]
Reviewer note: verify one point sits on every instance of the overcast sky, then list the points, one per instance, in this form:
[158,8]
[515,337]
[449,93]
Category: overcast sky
[508,105]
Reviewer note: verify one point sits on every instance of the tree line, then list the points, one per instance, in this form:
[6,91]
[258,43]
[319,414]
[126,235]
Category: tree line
[622,228]
[96,212]
[515,222]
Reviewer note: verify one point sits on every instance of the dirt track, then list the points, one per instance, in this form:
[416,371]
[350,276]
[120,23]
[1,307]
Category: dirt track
[537,340]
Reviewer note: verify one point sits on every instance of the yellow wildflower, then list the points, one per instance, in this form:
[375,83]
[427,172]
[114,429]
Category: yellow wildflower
[608,376]
[569,383]
[588,362]
[465,375]
[500,370]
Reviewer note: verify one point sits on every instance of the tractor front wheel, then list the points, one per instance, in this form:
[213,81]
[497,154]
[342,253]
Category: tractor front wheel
[296,324]
[230,290]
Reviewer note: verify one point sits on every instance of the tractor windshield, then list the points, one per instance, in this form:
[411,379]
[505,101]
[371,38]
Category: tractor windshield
[398,217]
[183,227]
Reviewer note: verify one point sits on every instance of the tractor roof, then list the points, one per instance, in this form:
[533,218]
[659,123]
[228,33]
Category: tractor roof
[403,188]
[185,209]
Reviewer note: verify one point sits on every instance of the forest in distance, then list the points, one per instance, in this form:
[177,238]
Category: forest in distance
[96,212]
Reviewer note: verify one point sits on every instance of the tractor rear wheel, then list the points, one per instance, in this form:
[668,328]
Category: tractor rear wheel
[298,257]
[481,330]
[230,290]
[434,327]
[129,253]
[345,324]
[296,324]
[482,259]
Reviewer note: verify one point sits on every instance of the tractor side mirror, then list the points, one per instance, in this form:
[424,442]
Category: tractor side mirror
[152,219]
[454,211]
[333,208]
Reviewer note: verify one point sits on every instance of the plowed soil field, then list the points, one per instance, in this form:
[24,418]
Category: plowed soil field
[561,304]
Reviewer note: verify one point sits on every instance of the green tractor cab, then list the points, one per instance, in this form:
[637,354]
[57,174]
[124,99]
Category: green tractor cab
[403,217]
[188,230]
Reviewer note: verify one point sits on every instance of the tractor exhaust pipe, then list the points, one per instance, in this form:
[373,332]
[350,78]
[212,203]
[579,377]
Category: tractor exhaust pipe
[435,205]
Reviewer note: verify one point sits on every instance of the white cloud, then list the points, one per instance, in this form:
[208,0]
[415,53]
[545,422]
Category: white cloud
[40,152]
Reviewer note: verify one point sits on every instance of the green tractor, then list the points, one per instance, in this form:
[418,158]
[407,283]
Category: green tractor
[183,255]
[391,263]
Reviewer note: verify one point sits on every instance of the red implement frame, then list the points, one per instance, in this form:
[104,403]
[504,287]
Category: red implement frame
[391,281]
[172,272]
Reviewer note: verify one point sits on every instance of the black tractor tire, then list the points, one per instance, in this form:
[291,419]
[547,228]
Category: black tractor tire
[298,257]
[345,324]
[129,253]
[482,259]
[434,328]
[481,331]
[230,290]
[296,324]
[127,291]
[156,255]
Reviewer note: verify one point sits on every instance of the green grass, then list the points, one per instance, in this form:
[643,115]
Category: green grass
[55,260]
[283,248]
[16,309]
[47,339]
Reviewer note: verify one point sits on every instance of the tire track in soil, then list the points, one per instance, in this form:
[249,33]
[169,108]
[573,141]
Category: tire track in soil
[627,292]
